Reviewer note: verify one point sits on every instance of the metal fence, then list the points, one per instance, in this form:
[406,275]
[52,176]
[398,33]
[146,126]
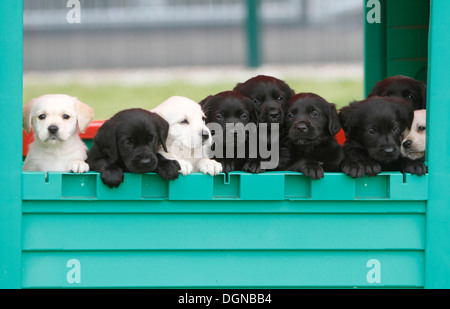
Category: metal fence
[161,33]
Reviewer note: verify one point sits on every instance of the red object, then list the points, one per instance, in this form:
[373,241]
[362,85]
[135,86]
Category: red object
[340,137]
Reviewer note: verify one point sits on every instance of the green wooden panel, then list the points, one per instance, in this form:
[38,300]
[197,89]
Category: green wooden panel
[11,44]
[438,149]
[408,12]
[223,231]
[224,206]
[239,186]
[223,269]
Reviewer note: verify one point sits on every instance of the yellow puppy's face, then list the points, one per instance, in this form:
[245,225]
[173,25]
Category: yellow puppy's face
[56,117]
[414,141]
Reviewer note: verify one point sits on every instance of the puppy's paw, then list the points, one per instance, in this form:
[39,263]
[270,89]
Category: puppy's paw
[371,168]
[210,167]
[252,167]
[168,169]
[112,176]
[185,167]
[415,167]
[228,167]
[78,166]
[313,170]
[352,168]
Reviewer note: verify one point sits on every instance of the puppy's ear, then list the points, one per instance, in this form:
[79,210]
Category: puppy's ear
[27,115]
[85,114]
[423,90]
[334,125]
[252,110]
[346,116]
[206,107]
[405,113]
[106,141]
[163,131]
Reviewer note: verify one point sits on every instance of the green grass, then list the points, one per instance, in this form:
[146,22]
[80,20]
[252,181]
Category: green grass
[108,99]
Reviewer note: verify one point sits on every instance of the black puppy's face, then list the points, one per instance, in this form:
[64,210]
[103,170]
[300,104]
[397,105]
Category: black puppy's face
[411,90]
[229,109]
[377,124]
[132,137]
[269,95]
[309,117]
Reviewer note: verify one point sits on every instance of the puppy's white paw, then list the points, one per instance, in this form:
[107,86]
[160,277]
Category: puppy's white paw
[78,166]
[211,167]
[185,167]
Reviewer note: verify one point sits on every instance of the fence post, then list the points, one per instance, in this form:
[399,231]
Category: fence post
[253,33]
[11,65]
[437,250]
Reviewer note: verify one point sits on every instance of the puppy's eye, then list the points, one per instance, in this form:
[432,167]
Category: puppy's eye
[219,116]
[41,116]
[257,101]
[290,116]
[65,117]
[314,114]
[411,96]
[244,116]
[184,122]
[421,128]
[395,129]
[280,98]
[129,142]
[372,131]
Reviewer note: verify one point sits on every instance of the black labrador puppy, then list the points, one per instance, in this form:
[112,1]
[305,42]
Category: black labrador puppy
[373,129]
[232,119]
[270,95]
[411,90]
[128,142]
[309,144]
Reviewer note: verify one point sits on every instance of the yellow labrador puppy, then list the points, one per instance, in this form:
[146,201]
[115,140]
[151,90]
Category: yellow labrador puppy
[56,120]
[189,138]
[414,140]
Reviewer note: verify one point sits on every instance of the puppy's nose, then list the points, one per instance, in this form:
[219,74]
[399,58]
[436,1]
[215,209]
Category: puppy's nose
[407,144]
[389,151]
[145,161]
[274,114]
[205,136]
[53,129]
[302,127]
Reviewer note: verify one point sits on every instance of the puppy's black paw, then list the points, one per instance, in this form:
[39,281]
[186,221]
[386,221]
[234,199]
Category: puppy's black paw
[313,170]
[352,168]
[112,176]
[371,168]
[228,167]
[415,167]
[252,167]
[168,169]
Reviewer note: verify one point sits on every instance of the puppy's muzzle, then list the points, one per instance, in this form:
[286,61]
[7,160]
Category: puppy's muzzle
[407,144]
[205,136]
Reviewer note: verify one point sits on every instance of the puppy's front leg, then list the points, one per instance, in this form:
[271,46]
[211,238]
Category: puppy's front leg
[310,168]
[208,166]
[112,175]
[414,167]
[78,166]
[167,169]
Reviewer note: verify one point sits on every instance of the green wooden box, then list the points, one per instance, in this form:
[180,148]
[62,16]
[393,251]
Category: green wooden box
[274,230]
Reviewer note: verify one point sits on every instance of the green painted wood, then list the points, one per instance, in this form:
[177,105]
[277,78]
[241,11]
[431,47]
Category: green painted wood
[238,186]
[198,231]
[223,269]
[11,42]
[438,149]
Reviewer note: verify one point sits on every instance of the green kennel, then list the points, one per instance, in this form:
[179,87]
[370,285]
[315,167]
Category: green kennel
[274,230]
